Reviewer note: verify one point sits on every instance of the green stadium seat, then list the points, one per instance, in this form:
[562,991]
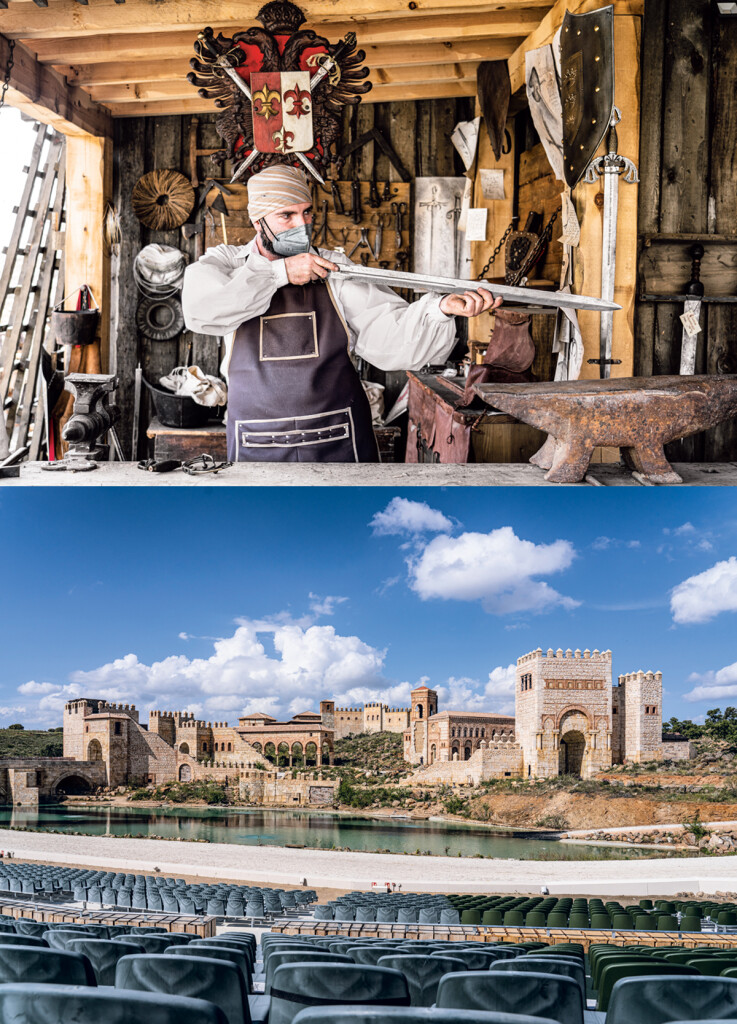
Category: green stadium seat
[39,1004]
[612,972]
[540,995]
[659,999]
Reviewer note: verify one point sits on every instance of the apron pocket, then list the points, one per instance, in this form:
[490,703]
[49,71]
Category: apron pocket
[288,336]
[296,431]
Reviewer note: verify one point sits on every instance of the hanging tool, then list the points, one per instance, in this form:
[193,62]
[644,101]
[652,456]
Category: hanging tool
[691,312]
[362,243]
[356,211]
[378,220]
[402,258]
[399,209]
[610,166]
[374,197]
[388,192]
[454,286]
[337,199]
[138,376]
[455,215]
[364,259]
[321,233]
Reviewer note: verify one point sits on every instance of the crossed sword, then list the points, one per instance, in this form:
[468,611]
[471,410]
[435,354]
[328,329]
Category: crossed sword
[328,65]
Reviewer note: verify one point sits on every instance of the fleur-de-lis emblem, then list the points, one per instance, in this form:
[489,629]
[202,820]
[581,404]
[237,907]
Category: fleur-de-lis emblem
[300,101]
[282,140]
[266,103]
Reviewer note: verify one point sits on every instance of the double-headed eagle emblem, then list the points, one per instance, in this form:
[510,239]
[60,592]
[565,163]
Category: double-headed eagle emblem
[294,85]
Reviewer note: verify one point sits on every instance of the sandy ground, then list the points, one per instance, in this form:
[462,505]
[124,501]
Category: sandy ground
[326,869]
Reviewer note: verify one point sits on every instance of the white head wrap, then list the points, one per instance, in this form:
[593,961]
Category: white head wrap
[276,188]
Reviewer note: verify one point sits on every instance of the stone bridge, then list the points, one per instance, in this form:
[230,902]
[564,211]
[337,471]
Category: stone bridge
[28,780]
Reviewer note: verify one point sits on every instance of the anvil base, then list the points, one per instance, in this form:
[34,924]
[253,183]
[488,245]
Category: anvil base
[639,415]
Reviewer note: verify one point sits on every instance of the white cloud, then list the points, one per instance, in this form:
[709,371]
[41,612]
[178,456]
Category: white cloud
[496,568]
[6,711]
[33,688]
[239,675]
[602,543]
[320,606]
[465,694]
[684,530]
[402,516]
[719,685]
[704,596]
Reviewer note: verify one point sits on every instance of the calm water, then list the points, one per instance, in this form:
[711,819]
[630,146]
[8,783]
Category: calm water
[323,831]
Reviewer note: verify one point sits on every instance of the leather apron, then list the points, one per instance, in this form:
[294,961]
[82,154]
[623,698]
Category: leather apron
[293,392]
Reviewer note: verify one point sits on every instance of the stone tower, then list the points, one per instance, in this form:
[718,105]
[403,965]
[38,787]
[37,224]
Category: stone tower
[327,713]
[563,712]
[640,712]
[424,705]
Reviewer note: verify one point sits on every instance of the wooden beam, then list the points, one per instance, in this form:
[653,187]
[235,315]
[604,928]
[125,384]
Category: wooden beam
[89,187]
[420,76]
[543,34]
[377,57]
[381,94]
[44,95]
[134,45]
[64,17]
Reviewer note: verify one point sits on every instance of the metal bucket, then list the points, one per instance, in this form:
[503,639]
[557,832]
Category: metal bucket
[74,326]
[178,410]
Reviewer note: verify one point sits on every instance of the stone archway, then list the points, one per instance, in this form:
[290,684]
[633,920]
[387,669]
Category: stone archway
[94,751]
[282,755]
[73,785]
[184,748]
[311,754]
[270,752]
[298,758]
[571,755]
[467,752]
[185,773]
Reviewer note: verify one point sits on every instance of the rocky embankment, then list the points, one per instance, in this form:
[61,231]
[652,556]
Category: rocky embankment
[712,838]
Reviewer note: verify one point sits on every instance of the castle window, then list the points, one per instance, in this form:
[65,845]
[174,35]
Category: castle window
[230,746]
[483,733]
[204,748]
[614,711]
[419,710]
[118,729]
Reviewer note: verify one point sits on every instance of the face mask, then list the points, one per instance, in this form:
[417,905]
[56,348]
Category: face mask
[291,242]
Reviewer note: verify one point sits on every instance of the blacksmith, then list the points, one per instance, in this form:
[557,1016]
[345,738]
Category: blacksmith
[293,392]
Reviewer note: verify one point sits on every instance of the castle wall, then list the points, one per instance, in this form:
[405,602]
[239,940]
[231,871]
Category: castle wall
[306,790]
[490,761]
[678,750]
[372,718]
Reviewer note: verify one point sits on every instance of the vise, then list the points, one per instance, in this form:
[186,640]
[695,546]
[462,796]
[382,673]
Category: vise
[92,418]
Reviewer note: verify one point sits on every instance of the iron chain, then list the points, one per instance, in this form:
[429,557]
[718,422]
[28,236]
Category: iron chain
[502,240]
[534,253]
[8,69]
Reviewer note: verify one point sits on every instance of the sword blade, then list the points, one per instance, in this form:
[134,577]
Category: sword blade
[608,263]
[454,286]
[689,341]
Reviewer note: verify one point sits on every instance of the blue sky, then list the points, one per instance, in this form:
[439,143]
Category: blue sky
[219,600]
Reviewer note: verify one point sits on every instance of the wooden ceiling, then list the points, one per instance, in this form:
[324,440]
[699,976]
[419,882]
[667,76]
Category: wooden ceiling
[130,57]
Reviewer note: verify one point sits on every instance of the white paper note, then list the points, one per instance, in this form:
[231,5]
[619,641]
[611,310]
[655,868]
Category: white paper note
[465,205]
[476,224]
[465,137]
[690,323]
[492,182]
[571,228]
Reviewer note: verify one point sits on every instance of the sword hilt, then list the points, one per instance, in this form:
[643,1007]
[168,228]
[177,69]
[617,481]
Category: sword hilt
[694,286]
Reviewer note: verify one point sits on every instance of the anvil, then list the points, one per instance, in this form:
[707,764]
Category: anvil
[637,414]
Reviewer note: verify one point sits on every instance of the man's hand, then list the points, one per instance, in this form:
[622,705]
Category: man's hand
[306,267]
[467,304]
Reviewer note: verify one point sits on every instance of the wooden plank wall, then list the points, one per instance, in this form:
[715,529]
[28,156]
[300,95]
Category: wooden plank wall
[687,168]
[418,130]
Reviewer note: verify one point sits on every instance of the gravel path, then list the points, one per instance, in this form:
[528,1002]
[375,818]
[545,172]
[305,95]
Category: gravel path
[323,868]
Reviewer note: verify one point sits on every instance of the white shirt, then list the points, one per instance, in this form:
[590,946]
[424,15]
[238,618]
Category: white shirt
[234,283]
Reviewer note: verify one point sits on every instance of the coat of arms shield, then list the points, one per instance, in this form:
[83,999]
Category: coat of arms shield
[282,111]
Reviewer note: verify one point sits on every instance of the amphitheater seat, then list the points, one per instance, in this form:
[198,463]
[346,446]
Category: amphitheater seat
[296,986]
[423,973]
[292,956]
[545,965]
[44,966]
[660,999]
[406,915]
[429,915]
[235,956]
[409,1015]
[514,992]
[32,1004]
[25,926]
[613,972]
[365,914]
[449,915]
[474,959]
[388,915]
[319,912]
[369,955]
[103,954]
[197,977]
[156,943]
[23,940]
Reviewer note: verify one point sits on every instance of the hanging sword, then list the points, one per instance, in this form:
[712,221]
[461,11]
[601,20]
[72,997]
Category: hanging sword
[224,64]
[691,312]
[454,215]
[610,166]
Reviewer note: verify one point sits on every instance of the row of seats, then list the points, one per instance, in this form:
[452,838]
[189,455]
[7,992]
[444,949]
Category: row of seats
[340,979]
[389,908]
[154,893]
